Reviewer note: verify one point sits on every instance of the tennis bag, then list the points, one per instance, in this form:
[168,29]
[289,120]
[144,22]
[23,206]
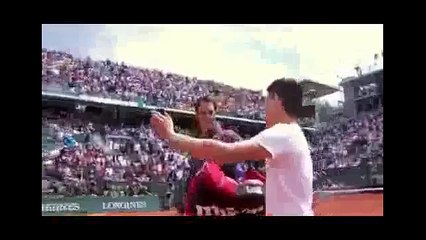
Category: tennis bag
[211,193]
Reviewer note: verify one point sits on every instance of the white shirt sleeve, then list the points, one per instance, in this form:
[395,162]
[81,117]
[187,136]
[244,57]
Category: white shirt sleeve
[275,140]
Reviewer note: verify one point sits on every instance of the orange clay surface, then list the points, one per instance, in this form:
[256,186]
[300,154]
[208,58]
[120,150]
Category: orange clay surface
[368,204]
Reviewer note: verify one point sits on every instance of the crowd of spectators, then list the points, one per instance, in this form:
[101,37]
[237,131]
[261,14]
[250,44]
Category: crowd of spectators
[61,71]
[344,143]
[124,161]
[112,162]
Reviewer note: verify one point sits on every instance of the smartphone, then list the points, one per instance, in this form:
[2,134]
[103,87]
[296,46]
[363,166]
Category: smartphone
[160,110]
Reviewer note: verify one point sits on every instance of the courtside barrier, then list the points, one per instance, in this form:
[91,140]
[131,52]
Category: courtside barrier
[88,204]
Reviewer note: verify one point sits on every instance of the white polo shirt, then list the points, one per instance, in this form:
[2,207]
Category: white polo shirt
[289,173]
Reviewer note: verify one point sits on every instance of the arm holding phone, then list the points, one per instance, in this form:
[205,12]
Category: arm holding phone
[207,148]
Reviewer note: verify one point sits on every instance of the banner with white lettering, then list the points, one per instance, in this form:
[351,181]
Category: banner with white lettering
[82,205]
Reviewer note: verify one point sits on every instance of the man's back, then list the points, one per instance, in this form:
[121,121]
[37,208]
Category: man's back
[289,174]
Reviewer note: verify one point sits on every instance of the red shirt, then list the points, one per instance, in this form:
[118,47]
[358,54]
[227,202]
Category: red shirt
[211,193]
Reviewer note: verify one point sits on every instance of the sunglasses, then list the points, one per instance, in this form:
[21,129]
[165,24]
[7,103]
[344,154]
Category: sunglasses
[210,112]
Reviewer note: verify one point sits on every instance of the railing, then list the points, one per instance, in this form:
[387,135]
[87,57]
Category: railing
[68,93]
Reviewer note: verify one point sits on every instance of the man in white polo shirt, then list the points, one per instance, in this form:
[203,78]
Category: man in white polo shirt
[289,172]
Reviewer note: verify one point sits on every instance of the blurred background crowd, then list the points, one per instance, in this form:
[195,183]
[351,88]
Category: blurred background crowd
[107,79]
[345,143]
[82,158]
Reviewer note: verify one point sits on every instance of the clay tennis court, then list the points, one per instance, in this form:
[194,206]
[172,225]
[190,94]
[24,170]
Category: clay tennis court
[365,204]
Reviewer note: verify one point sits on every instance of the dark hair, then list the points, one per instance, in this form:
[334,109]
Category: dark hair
[290,92]
[207,99]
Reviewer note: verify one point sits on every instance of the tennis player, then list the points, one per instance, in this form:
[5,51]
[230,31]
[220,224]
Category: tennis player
[289,171]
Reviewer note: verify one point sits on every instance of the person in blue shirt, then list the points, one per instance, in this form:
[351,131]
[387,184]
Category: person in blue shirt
[69,142]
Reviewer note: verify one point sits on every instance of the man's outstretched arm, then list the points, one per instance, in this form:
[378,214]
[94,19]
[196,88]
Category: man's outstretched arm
[208,148]
[219,151]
